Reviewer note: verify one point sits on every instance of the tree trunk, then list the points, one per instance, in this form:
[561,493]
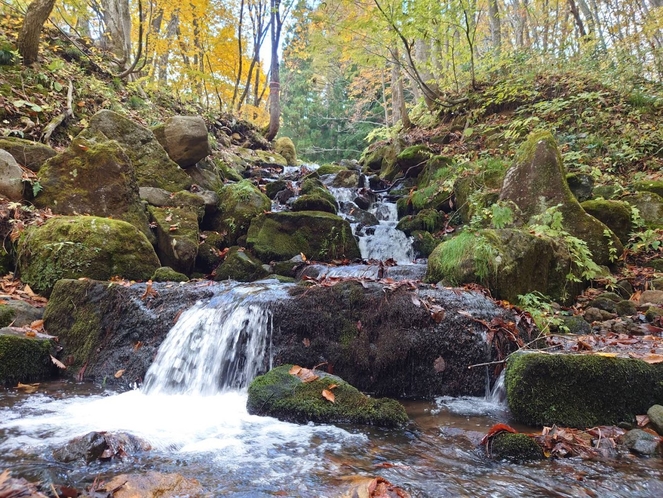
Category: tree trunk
[28,39]
[495,26]
[117,35]
[274,81]
[398,109]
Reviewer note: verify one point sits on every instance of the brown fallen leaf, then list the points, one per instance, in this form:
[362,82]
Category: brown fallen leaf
[328,395]
[138,345]
[642,420]
[37,324]
[30,333]
[58,363]
[653,358]
[119,373]
[28,388]
[304,374]
[149,291]
[306,342]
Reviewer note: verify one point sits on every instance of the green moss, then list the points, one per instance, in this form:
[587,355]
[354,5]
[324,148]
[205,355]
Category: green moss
[467,252]
[429,220]
[241,266]
[580,390]
[167,274]
[83,246]
[7,314]
[654,186]
[284,396]
[424,243]
[515,447]
[24,359]
[285,147]
[330,169]
[313,202]
[227,172]
[177,236]
[616,215]
[273,188]
[239,203]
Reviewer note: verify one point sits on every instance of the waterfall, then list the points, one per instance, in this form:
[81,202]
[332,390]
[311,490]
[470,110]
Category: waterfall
[216,345]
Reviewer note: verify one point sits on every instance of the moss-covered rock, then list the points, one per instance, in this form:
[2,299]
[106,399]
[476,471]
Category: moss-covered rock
[429,220]
[167,274]
[151,162]
[209,251]
[184,138]
[260,158]
[330,169]
[7,314]
[347,178]
[581,185]
[30,154]
[510,262]
[580,390]
[320,236]
[24,359]
[515,447]
[83,246]
[284,396]
[286,148]
[537,182]
[177,237]
[616,215]
[654,186]
[273,188]
[381,157]
[650,207]
[424,243]
[239,203]
[241,266]
[314,202]
[94,178]
[477,190]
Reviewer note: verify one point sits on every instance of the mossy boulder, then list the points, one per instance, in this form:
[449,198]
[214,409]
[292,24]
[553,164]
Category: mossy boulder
[581,185]
[184,138]
[650,207]
[24,359]
[616,215]
[273,188]
[209,251]
[537,182]
[167,274]
[286,397]
[153,166]
[382,158]
[330,169]
[83,246]
[410,162]
[654,186]
[515,447]
[429,220]
[177,237]
[286,148]
[510,262]
[30,154]
[241,266]
[318,235]
[347,178]
[477,190]
[7,314]
[96,178]
[239,203]
[580,390]
[260,158]
[424,243]
[314,202]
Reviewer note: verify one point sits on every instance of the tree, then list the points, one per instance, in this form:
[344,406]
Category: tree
[274,80]
[28,38]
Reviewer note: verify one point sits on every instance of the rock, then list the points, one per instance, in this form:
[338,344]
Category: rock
[313,202]
[320,236]
[18,313]
[475,192]
[626,308]
[7,314]
[153,166]
[576,324]
[363,201]
[210,173]
[580,390]
[94,178]
[11,487]
[363,486]
[11,177]
[346,178]
[177,237]
[654,186]
[604,304]
[155,196]
[515,447]
[651,297]
[653,314]
[273,188]
[261,158]
[510,262]
[641,442]
[593,315]
[154,485]
[381,157]
[655,414]
[616,215]
[286,397]
[30,154]
[209,252]
[24,359]
[239,265]
[167,274]
[581,186]
[428,220]
[536,182]
[239,203]
[184,138]
[424,243]
[286,148]
[83,246]
[650,207]
[100,446]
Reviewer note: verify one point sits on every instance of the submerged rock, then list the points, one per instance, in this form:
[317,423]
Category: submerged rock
[285,396]
[641,442]
[100,446]
[154,485]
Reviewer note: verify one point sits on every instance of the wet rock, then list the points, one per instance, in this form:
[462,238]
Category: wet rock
[655,414]
[363,201]
[273,188]
[651,297]
[100,446]
[593,315]
[373,486]
[515,447]
[32,155]
[313,202]
[24,359]
[18,313]
[641,442]
[11,487]
[241,266]
[11,177]
[287,397]
[626,308]
[184,138]
[177,237]
[546,389]
[167,274]
[346,178]
[155,485]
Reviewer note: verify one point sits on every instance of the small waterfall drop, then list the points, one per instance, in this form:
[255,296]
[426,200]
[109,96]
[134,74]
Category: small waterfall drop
[216,345]
[497,394]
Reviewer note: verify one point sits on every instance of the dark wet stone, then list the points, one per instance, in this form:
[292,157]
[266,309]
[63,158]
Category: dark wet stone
[641,442]
[655,414]
[100,446]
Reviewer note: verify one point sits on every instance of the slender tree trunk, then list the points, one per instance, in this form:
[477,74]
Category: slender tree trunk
[28,38]
[576,15]
[117,36]
[398,109]
[495,26]
[274,82]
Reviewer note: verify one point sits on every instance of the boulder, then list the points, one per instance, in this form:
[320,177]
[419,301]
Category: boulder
[510,262]
[153,166]
[83,246]
[241,266]
[581,185]
[207,175]
[102,446]
[641,442]
[616,215]
[254,159]
[209,251]
[428,220]
[196,202]
[11,177]
[285,396]
[177,237]
[31,155]
[18,313]
[286,148]
[313,202]
[516,447]
[476,190]
[650,207]
[167,274]
[381,157]
[655,414]
[580,390]
[24,359]
[537,182]
[318,235]
[346,178]
[94,178]
[184,138]
[154,485]
[654,186]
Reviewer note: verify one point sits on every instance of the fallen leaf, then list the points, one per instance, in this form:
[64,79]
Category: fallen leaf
[653,358]
[37,324]
[328,395]
[306,342]
[138,345]
[28,291]
[119,373]
[149,291]
[642,420]
[294,370]
[302,256]
[439,364]
[58,363]
[304,374]
[608,355]
[30,333]
[332,386]
[169,218]
[28,388]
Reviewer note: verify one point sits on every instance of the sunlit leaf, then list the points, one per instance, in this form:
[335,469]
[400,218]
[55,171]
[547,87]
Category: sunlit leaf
[58,363]
[28,388]
[119,373]
[328,395]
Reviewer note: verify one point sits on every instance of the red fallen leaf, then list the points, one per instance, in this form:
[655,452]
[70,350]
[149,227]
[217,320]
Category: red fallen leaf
[149,291]
[304,374]
[642,420]
[328,395]
[495,430]
[138,345]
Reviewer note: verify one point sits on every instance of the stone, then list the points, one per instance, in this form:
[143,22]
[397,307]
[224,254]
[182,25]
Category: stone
[154,485]
[626,308]
[96,178]
[83,246]
[319,236]
[616,215]
[641,442]
[655,414]
[313,202]
[429,220]
[209,251]
[537,182]
[604,304]
[184,138]
[593,315]
[381,157]
[515,447]
[24,359]
[654,314]
[102,446]
[649,205]
[346,178]
[11,177]
[576,324]
[177,237]
[151,162]
[546,389]
[581,185]
[286,148]
[651,297]
[210,173]
[21,313]
[31,155]
[167,274]
[654,186]
[241,266]
[286,397]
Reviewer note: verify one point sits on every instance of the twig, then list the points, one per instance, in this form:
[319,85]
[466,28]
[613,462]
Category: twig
[54,492]
[498,362]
